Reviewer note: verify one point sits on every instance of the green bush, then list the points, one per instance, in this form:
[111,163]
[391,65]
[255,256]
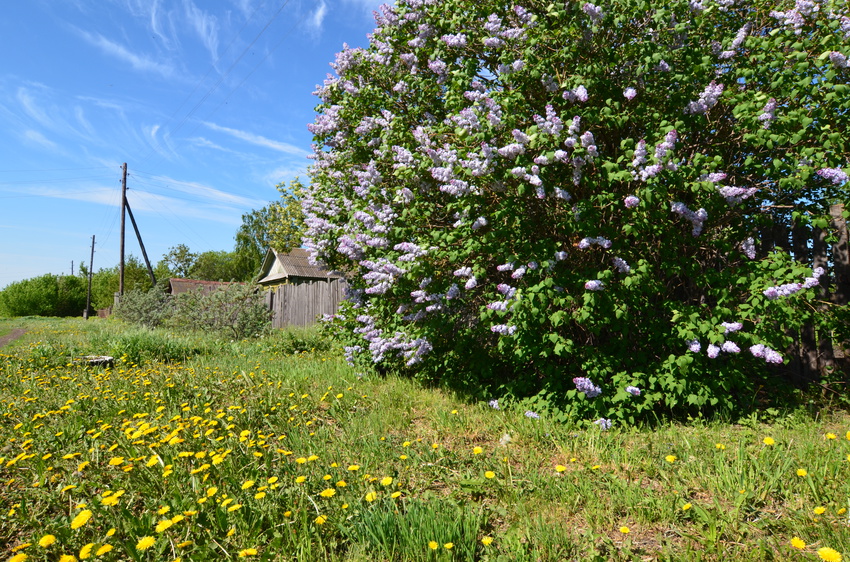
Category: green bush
[146,307]
[566,200]
[47,295]
[237,311]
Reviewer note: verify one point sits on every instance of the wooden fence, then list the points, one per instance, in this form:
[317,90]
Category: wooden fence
[300,304]
[814,353]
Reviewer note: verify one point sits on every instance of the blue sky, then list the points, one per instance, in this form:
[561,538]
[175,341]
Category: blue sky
[206,100]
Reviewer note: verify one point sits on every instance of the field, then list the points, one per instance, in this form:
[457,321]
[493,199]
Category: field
[188,448]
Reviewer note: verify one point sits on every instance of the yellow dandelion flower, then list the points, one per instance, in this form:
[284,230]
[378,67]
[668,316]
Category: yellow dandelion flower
[341,484]
[625,530]
[234,507]
[830,436]
[829,554]
[103,550]
[300,479]
[487,541]
[300,460]
[354,467]
[19,557]
[560,468]
[231,531]
[259,495]
[247,552]
[327,493]
[720,446]
[477,450]
[81,519]
[386,481]
[287,514]
[670,458]
[802,472]
[67,558]
[163,510]
[686,507]
[273,479]
[247,484]
[46,541]
[449,545]
[433,545]
[819,510]
[798,543]
[312,458]
[110,532]
[320,520]
[842,511]
[85,552]
[395,495]
[489,474]
[145,543]
[115,461]
[403,457]
[22,546]
[371,496]
[66,488]
[163,525]
[768,441]
[184,544]
[178,518]
[211,491]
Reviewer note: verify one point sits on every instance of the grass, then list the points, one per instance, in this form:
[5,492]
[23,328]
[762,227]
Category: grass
[277,450]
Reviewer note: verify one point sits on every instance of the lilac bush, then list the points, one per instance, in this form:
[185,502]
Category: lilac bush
[525,194]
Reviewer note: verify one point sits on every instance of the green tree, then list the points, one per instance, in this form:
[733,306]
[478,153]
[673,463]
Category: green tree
[565,198]
[47,295]
[218,266]
[180,260]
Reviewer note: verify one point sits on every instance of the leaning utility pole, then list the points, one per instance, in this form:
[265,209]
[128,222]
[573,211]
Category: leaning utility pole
[142,244]
[121,245]
[91,270]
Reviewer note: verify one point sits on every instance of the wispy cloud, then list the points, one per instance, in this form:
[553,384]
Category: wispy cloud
[205,25]
[31,108]
[318,16]
[259,140]
[39,139]
[137,61]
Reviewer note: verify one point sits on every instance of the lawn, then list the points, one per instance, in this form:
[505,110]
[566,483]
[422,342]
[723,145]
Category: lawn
[192,448]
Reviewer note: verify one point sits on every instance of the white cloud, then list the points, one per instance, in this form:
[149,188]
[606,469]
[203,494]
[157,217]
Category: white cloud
[205,25]
[259,140]
[39,139]
[138,62]
[317,17]
[31,108]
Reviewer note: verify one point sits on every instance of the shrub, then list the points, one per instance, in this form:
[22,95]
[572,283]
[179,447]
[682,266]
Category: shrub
[236,310]
[47,295]
[150,308]
[567,199]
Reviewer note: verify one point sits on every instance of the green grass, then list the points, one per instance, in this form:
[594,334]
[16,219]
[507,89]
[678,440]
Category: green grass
[277,445]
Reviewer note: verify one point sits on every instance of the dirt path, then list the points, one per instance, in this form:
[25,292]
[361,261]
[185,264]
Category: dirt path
[15,334]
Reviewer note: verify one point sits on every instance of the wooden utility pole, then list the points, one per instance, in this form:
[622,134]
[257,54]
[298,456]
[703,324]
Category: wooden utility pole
[142,244]
[91,271]
[121,244]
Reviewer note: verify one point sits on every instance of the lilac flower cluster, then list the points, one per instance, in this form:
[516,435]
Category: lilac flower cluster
[593,11]
[633,390]
[763,352]
[552,124]
[594,285]
[729,327]
[631,202]
[767,113]
[503,329]
[748,246]
[736,42]
[734,195]
[603,423]
[788,289]
[694,346]
[599,241]
[663,157]
[838,60]
[454,40]
[707,99]
[493,404]
[578,94]
[584,384]
[630,93]
[621,265]
[532,415]
[836,175]
[793,18]
[697,218]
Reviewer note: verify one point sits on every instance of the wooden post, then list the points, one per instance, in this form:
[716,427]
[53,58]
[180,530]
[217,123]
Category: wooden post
[121,243]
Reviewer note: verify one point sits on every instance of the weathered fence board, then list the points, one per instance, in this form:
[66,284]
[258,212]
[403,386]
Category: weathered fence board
[299,304]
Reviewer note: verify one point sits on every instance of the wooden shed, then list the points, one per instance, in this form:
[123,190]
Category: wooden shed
[298,292]
[177,285]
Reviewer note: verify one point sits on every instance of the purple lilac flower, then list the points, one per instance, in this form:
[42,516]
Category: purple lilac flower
[621,265]
[593,11]
[697,218]
[788,289]
[471,283]
[603,423]
[713,351]
[730,347]
[730,327]
[707,99]
[519,272]
[694,346]
[560,255]
[835,175]
[532,415]
[456,40]
[630,93]
[838,59]
[594,285]
[511,151]
[453,291]
[493,404]
[579,94]
[506,290]
[748,246]
[505,267]
[763,352]
[562,194]
[792,17]
[584,384]
[633,390]
[767,113]
[480,222]
[662,66]
[503,329]
[631,202]
[463,272]
[735,195]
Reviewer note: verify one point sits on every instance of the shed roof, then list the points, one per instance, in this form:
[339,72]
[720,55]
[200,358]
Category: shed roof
[177,285]
[279,266]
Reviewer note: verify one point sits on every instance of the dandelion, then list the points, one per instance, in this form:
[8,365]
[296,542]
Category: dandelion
[670,458]
[327,493]
[624,530]
[720,446]
[386,481]
[67,558]
[247,484]
[477,450]
[247,552]
[686,507]
[829,554]
[487,541]
[433,545]
[300,479]
[802,472]
[371,496]
[46,541]
[819,510]
[560,468]
[449,545]
[768,441]
[234,507]
[320,520]
[85,552]
[798,543]
[19,557]
[81,519]
[353,467]
[830,436]
[489,474]
[145,543]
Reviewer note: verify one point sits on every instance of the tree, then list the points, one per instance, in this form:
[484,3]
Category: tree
[565,200]
[47,295]
[180,260]
[286,221]
[218,266]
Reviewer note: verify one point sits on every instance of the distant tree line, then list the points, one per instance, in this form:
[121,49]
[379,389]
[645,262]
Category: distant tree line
[278,225]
